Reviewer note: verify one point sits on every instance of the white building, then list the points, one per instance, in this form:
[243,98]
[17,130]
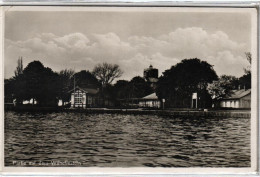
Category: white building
[30,101]
[237,99]
[150,101]
[84,97]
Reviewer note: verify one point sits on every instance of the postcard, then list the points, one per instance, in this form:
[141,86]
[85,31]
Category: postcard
[129,90]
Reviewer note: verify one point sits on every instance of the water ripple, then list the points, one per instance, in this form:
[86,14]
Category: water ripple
[111,140]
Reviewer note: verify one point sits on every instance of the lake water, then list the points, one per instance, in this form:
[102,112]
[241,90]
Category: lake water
[113,140]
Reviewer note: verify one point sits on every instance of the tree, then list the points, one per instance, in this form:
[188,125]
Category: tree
[139,87]
[86,79]
[19,68]
[66,83]
[9,90]
[126,91]
[167,87]
[136,88]
[248,57]
[50,90]
[121,89]
[245,80]
[40,84]
[19,88]
[178,83]
[106,73]
[67,73]
[222,87]
[14,87]
[33,74]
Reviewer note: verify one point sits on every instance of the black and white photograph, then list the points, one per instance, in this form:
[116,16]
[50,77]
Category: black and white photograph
[113,87]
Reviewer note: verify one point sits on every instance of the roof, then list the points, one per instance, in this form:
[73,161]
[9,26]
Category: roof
[152,96]
[148,97]
[237,94]
[150,68]
[87,90]
[91,90]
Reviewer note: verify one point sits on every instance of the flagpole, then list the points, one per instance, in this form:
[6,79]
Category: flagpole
[74,83]
[74,89]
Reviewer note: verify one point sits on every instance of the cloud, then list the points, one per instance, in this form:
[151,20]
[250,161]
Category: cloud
[232,64]
[196,42]
[133,54]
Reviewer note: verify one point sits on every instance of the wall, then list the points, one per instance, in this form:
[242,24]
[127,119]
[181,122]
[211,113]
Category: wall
[245,102]
[150,103]
[230,104]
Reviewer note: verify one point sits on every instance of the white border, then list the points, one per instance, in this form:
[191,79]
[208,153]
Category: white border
[2,88]
[137,171]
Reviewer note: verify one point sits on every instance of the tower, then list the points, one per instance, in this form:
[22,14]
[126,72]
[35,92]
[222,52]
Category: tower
[151,76]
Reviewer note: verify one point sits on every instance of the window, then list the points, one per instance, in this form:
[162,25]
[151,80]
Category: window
[78,98]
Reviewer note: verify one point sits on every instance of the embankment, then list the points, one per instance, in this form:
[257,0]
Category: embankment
[172,113]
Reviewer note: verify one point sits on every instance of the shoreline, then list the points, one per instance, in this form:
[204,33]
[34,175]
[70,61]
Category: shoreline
[167,112]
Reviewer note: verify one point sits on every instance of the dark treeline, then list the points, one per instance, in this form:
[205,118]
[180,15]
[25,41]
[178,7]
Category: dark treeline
[176,85]
[189,76]
[45,87]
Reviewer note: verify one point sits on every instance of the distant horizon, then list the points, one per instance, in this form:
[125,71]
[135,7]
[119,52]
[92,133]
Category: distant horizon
[133,40]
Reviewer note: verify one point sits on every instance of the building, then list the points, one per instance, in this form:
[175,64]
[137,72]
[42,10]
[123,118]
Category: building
[85,97]
[150,72]
[31,101]
[151,76]
[237,99]
[150,101]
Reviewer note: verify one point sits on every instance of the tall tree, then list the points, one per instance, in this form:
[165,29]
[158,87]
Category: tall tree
[15,86]
[167,87]
[50,90]
[248,57]
[33,74]
[40,84]
[19,68]
[106,73]
[189,76]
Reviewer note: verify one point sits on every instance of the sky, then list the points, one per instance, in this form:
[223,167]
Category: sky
[133,40]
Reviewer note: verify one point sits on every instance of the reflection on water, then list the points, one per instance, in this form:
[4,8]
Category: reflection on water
[111,140]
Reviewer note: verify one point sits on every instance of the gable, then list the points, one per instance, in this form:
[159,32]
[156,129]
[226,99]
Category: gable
[85,90]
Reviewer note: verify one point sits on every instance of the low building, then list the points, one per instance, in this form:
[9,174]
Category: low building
[31,101]
[85,97]
[150,101]
[237,99]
